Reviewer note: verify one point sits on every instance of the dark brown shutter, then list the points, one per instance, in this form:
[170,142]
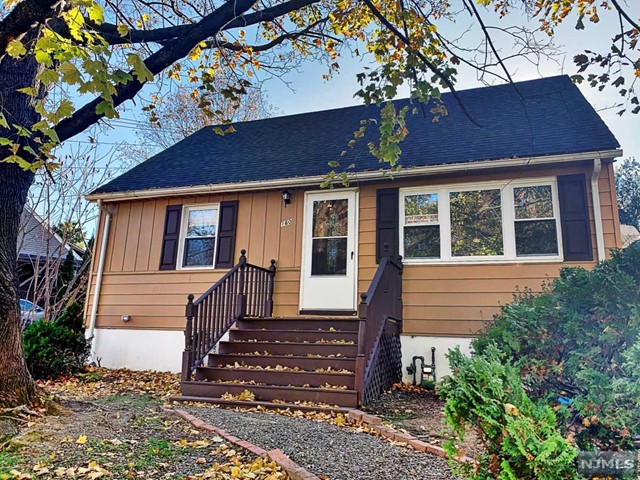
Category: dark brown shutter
[387,226]
[574,218]
[171,237]
[227,234]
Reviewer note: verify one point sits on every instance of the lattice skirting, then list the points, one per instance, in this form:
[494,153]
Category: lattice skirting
[387,367]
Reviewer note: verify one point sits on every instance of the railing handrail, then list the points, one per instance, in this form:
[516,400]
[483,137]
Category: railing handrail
[377,308]
[213,287]
[208,318]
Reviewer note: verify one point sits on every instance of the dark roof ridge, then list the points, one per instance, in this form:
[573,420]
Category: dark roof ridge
[541,117]
[465,91]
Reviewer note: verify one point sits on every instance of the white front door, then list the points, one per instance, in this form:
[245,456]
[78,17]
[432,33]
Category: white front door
[329,251]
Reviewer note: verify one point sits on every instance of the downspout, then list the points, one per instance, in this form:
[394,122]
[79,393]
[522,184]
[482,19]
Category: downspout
[597,211]
[96,293]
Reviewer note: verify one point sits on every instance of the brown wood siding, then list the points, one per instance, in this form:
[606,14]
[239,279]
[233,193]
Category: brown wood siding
[133,285]
[457,300]
[441,299]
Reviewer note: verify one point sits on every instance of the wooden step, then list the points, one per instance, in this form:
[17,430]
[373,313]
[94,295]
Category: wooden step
[303,362]
[269,405]
[276,377]
[311,336]
[343,398]
[300,323]
[292,348]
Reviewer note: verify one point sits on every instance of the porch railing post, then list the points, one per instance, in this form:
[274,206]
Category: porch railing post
[188,339]
[241,304]
[270,286]
[362,347]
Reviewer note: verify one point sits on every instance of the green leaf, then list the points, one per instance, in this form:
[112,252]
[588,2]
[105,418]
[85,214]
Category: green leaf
[5,141]
[48,76]
[96,14]
[70,73]
[139,68]
[123,30]
[75,22]
[22,163]
[43,57]
[65,109]
[3,121]
[31,91]
[23,132]
[120,76]
[106,108]
[16,49]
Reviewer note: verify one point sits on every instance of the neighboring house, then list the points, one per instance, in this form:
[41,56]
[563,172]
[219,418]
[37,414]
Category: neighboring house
[476,212]
[629,234]
[41,251]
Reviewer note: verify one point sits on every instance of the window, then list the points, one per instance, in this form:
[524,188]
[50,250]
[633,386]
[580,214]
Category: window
[476,223]
[486,222]
[198,236]
[421,226]
[535,223]
[330,234]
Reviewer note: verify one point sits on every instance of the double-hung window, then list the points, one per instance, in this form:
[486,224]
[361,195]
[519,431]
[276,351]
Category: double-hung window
[421,225]
[497,221]
[198,236]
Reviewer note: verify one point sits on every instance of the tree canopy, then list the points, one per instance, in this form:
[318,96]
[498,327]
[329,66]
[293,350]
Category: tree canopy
[628,191]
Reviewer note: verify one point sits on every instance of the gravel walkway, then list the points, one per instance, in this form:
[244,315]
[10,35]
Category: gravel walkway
[325,449]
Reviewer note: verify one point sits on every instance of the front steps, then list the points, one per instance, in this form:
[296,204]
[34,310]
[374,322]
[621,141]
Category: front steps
[284,363]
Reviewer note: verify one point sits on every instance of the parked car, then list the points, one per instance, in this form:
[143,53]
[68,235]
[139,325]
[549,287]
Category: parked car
[29,313]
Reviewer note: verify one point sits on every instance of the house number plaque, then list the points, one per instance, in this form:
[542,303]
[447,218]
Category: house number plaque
[286,223]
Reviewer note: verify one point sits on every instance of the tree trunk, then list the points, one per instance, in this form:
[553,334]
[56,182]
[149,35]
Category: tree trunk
[16,384]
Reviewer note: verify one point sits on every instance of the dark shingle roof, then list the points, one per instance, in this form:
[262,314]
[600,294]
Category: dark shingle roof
[553,117]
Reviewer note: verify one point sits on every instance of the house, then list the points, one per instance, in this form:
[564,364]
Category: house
[629,234]
[476,212]
[41,252]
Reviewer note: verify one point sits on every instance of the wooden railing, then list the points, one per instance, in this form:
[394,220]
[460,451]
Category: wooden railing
[244,291]
[379,362]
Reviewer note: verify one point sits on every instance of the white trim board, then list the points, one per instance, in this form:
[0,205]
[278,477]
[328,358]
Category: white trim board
[356,176]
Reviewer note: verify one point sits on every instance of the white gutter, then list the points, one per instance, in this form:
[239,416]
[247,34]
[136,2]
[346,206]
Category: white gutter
[597,211]
[96,293]
[357,176]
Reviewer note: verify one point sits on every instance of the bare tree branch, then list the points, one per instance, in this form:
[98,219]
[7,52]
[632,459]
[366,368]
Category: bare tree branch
[491,44]
[392,28]
[626,16]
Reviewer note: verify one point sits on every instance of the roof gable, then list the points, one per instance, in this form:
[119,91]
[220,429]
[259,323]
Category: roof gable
[551,118]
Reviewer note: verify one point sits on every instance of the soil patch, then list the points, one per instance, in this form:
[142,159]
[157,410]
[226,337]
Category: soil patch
[124,436]
[420,412]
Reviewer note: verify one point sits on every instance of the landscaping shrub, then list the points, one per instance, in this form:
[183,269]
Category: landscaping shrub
[572,351]
[56,348]
[520,437]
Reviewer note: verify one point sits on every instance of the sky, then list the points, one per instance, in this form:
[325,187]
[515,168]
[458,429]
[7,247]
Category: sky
[305,90]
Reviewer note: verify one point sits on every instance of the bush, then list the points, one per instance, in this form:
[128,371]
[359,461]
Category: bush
[554,371]
[580,339]
[52,349]
[520,438]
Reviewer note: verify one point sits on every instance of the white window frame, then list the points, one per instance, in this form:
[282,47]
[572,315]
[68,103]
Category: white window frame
[183,235]
[508,221]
